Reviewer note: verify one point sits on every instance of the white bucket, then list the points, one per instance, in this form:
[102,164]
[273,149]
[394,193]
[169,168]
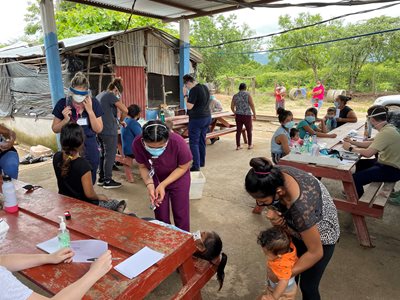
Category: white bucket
[196,185]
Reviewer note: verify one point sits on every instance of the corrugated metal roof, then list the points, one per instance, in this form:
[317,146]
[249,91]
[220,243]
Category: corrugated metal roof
[69,44]
[172,10]
[85,40]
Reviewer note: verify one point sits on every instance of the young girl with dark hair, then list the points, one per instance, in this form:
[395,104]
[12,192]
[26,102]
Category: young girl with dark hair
[280,141]
[308,125]
[301,204]
[74,172]
[281,256]
[164,161]
[209,247]
[131,130]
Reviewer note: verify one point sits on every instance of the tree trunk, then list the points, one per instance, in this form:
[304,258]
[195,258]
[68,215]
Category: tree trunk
[315,71]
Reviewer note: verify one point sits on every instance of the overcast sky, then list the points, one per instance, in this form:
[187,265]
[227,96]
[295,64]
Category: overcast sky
[262,20]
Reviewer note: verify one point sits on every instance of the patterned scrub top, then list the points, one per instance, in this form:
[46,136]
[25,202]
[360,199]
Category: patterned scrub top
[314,207]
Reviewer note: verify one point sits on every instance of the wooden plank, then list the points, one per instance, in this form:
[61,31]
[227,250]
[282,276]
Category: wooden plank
[217,133]
[383,195]
[362,231]
[370,193]
[361,208]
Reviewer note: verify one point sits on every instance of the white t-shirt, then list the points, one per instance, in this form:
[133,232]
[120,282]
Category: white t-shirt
[11,288]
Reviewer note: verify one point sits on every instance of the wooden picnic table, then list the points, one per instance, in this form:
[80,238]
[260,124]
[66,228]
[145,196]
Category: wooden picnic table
[219,119]
[342,172]
[37,221]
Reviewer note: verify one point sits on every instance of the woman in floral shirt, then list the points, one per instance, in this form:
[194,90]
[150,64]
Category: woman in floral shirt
[298,201]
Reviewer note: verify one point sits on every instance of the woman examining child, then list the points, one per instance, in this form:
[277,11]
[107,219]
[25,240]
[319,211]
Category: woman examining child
[308,125]
[302,205]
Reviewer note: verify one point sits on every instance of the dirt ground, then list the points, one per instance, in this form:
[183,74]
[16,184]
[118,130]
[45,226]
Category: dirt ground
[353,273]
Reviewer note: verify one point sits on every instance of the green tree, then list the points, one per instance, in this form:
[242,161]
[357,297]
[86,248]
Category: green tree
[78,19]
[314,57]
[226,58]
[356,53]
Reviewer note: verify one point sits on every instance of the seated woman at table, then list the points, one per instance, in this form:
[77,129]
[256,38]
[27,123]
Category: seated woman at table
[131,130]
[209,247]
[73,172]
[280,141]
[386,143]
[300,203]
[13,289]
[346,114]
[308,125]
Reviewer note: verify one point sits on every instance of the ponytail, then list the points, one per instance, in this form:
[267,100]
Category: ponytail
[116,83]
[221,270]
[66,165]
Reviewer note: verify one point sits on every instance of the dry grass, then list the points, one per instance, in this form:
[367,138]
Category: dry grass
[265,104]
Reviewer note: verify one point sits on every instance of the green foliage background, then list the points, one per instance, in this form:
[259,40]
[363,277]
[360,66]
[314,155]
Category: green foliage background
[369,64]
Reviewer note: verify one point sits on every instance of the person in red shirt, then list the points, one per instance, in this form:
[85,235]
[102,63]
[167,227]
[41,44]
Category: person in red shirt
[318,95]
[279,99]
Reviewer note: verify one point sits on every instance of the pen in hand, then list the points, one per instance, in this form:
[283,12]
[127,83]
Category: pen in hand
[95,258]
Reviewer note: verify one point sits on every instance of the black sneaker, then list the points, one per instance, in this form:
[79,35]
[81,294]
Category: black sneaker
[193,169]
[111,184]
[100,182]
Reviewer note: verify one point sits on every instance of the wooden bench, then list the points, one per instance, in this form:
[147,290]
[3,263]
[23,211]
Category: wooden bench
[204,272]
[217,133]
[376,195]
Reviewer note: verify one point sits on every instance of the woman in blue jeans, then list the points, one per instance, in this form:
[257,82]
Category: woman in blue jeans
[9,160]
[198,105]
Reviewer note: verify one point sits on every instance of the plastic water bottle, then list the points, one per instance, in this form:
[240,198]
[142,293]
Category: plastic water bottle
[162,116]
[315,150]
[314,139]
[10,198]
[307,146]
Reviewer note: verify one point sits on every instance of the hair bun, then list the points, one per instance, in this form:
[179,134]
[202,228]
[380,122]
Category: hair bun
[261,164]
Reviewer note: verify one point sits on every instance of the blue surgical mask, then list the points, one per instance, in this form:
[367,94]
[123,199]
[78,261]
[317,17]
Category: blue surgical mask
[310,119]
[155,152]
[289,125]
[336,104]
[212,97]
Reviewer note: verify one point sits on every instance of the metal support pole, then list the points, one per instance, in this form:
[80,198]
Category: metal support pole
[184,55]
[51,48]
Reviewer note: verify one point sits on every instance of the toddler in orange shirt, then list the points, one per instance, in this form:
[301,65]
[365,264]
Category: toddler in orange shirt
[281,257]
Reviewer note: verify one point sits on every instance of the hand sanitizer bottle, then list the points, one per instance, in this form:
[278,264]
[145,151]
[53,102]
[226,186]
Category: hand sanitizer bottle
[63,234]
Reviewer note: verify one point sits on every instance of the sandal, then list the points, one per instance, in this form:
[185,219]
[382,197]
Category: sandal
[250,147]
[238,148]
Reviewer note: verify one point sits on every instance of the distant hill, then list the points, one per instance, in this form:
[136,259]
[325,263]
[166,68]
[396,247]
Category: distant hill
[261,58]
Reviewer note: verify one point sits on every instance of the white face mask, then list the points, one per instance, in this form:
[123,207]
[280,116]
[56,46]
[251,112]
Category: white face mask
[78,98]
[3,230]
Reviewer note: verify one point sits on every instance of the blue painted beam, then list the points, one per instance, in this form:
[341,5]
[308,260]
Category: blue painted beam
[184,67]
[54,67]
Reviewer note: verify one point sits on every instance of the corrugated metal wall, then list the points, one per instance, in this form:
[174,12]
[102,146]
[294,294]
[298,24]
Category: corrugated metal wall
[129,49]
[161,58]
[134,81]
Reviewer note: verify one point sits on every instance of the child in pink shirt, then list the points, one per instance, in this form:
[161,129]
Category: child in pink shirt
[318,95]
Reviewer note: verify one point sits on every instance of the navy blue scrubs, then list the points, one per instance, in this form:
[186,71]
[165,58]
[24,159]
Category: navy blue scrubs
[91,150]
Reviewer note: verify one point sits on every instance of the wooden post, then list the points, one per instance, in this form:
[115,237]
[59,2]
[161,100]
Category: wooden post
[253,85]
[100,78]
[163,90]
[89,60]
[232,80]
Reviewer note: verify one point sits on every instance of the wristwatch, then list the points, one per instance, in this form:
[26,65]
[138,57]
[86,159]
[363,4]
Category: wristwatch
[351,148]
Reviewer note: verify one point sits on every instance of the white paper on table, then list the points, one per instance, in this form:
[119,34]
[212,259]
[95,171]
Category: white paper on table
[83,249]
[337,113]
[346,162]
[139,262]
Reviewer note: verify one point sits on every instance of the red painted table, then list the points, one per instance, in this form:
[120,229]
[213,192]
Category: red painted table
[342,172]
[37,221]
